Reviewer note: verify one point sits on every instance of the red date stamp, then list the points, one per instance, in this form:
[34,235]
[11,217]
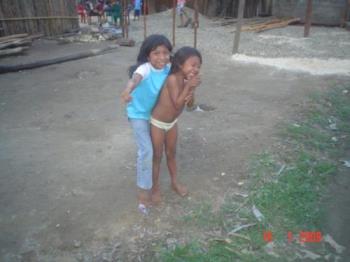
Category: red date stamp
[303,236]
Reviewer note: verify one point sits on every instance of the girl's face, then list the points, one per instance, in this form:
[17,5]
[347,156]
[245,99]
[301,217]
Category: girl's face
[191,67]
[159,57]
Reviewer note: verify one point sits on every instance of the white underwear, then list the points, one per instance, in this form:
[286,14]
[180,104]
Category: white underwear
[162,125]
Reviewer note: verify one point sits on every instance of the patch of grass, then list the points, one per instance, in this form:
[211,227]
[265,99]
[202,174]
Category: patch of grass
[285,186]
[295,193]
[202,215]
[189,252]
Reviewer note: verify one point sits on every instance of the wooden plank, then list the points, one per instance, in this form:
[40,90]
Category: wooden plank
[28,37]
[13,51]
[85,54]
[16,43]
[278,25]
[9,37]
[269,25]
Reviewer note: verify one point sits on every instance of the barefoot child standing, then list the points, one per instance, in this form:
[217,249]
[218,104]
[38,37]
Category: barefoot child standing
[178,90]
[141,94]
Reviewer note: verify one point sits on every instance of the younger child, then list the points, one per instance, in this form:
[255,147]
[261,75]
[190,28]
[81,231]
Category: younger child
[81,12]
[178,90]
[180,7]
[137,9]
[141,94]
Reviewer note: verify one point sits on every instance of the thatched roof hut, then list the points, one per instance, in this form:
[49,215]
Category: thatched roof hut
[50,17]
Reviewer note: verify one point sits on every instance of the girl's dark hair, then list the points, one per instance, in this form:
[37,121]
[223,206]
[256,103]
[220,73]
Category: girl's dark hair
[181,56]
[148,45]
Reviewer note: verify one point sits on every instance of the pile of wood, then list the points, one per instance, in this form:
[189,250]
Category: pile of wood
[16,44]
[272,24]
[258,24]
[229,21]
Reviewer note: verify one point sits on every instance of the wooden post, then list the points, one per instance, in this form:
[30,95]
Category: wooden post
[144,19]
[239,25]
[308,18]
[205,7]
[50,14]
[346,14]
[195,22]
[174,21]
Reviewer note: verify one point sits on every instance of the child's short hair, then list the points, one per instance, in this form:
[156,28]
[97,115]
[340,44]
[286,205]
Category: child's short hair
[148,45]
[181,56]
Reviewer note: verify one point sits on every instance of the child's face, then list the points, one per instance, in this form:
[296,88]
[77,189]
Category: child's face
[191,67]
[159,57]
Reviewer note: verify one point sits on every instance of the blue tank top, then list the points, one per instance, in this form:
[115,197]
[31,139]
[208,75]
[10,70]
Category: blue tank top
[145,95]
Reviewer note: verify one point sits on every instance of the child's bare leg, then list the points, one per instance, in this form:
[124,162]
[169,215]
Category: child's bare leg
[170,150]
[158,137]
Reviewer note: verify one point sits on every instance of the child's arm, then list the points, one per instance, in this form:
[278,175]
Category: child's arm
[130,86]
[180,98]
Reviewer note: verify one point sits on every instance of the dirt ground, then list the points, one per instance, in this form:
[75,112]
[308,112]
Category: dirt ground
[67,154]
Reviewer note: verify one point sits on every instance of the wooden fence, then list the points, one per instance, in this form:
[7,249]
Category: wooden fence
[49,17]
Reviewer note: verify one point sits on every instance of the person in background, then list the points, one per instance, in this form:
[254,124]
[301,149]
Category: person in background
[137,9]
[100,10]
[116,11]
[182,13]
[81,12]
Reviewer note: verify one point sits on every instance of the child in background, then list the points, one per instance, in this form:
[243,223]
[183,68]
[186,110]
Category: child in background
[176,93]
[180,7]
[141,94]
[81,12]
[137,9]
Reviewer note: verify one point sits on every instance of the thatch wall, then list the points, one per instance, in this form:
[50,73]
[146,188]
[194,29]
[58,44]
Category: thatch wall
[50,17]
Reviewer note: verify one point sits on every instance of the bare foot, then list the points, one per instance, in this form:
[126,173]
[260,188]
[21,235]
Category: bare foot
[156,197]
[180,189]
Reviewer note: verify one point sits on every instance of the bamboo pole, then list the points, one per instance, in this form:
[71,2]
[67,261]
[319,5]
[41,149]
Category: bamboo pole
[144,19]
[239,26]
[125,29]
[308,18]
[195,23]
[126,20]
[174,21]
